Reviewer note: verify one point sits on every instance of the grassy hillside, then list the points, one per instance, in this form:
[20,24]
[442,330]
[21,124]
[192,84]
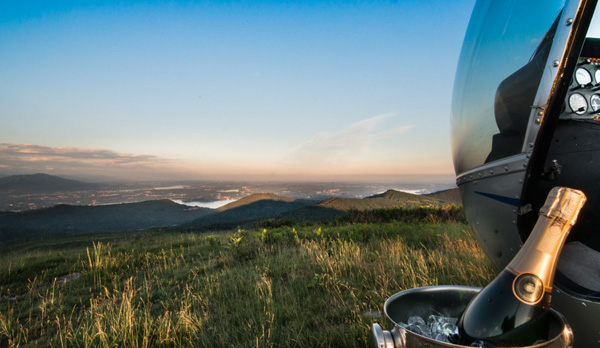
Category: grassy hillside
[302,286]
[451,196]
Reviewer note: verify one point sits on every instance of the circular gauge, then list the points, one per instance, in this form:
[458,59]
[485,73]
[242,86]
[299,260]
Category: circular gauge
[578,103]
[583,77]
[595,102]
[597,76]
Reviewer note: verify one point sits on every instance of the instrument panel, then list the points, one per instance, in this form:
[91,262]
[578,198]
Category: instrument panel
[583,98]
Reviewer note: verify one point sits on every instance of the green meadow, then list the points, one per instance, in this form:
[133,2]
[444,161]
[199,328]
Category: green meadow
[312,285]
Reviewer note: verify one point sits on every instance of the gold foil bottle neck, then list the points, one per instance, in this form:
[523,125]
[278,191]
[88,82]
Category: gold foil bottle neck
[539,255]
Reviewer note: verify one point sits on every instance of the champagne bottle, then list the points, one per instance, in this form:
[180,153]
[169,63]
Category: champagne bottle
[510,311]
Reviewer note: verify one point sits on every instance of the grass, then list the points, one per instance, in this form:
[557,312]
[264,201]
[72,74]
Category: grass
[292,286]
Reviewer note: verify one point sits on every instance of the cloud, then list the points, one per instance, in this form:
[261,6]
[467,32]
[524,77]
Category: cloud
[46,153]
[351,142]
[30,158]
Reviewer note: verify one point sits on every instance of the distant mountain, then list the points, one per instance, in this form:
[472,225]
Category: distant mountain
[263,206]
[247,210]
[42,183]
[388,199]
[331,208]
[68,219]
[256,197]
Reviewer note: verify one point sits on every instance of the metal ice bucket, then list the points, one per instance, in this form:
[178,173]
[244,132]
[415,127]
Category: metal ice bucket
[449,301]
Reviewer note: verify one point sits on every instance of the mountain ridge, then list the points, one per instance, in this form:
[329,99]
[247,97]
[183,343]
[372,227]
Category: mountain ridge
[65,219]
[41,183]
[245,212]
[262,206]
[255,197]
[388,199]
[250,209]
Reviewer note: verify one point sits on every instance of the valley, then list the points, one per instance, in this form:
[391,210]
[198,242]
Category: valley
[65,207]
[25,192]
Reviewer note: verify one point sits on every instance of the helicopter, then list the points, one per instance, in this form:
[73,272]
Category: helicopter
[526,118]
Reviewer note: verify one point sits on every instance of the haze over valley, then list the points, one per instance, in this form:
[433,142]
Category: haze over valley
[23,192]
[40,205]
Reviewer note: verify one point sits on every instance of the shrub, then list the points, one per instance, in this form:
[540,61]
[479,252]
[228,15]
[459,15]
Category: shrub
[273,224]
[286,236]
[244,246]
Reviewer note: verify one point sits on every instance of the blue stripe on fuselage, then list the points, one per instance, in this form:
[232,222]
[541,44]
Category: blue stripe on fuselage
[512,201]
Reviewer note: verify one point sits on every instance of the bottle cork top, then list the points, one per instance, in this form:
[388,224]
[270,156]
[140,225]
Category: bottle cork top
[563,204]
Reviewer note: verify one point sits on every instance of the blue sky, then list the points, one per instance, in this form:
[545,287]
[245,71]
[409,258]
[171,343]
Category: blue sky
[256,89]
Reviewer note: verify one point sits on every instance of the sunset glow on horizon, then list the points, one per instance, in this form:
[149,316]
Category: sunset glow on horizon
[173,90]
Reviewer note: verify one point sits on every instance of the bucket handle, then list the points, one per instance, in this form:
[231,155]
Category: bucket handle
[387,339]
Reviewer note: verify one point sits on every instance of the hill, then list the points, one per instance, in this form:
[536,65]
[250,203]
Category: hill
[256,197]
[248,210]
[263,206]
[388,199]
[311,213]
[451,196]
[42,183]
[69,219]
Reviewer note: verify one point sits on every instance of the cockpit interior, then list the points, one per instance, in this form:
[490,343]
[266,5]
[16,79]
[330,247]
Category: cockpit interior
[572,161]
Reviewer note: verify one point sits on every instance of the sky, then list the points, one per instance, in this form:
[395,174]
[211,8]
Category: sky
[229,89]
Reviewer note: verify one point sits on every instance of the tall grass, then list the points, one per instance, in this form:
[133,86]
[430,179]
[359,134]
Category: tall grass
[306,286]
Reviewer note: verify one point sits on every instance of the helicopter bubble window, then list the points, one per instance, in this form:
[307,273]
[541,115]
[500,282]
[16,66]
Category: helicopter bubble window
[594,29]
[506,45]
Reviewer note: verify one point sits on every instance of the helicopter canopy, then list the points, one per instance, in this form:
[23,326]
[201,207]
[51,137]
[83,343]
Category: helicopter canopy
[500,67]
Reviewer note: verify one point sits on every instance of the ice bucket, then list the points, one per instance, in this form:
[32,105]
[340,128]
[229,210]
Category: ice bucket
[448,301]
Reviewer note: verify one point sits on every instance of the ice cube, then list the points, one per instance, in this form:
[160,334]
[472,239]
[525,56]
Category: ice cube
[449,329]
[416,320]
[418,329]
[437,327]
[441,337]
[482,344]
